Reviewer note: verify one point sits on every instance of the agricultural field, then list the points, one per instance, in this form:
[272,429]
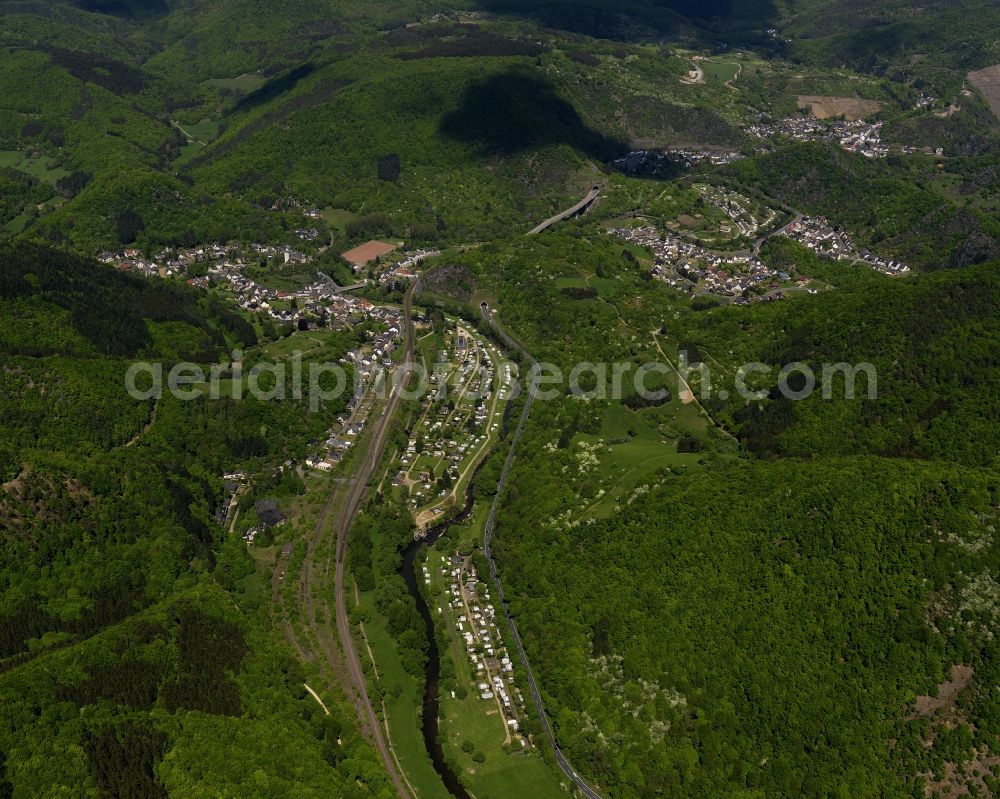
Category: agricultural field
[198,136]
[631,453]
[245,83]
[307,346]
[724,71]
[201,132]
[317,344]
[850,108]
[987,81]
[16,224]
[338,219]
[28,182]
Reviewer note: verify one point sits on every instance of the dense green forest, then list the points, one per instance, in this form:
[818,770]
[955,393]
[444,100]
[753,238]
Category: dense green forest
[173,140]
[761,630]
[379,536]
[888,38]
[178,701]
[931,341]
[134,658]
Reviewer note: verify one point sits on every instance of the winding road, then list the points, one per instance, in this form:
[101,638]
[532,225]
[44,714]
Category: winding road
[759,242]
[697,74]
[567,769]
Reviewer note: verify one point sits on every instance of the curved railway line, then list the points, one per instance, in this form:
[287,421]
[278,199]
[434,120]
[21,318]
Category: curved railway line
[326,550]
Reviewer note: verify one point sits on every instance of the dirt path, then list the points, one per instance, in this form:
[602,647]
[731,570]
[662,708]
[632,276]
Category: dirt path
[739,71]
[698,77]
[392,748]
[316,697]
[145,429]
[189,137]
[368,648]
[687,396]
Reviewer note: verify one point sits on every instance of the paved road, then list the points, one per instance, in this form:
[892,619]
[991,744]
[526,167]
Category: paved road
[760,242]
[336,287]
[349,511]
[564,764]
[584,203]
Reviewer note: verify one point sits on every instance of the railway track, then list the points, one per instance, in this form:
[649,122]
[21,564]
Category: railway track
[326,550]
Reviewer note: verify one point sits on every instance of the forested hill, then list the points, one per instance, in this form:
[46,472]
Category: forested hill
[110,312]
[812,617]
[133,660]
[128,123]
[765,630]
[932,340]
[67,325]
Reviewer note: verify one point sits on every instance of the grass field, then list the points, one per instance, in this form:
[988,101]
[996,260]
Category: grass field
[644,444]
[199,135]
[403,698]
[720,70]
[204,131]
[338,219]
[311,346]
[604,286]
[470,534]
[247,82]
[41,167]
[17,224]
[303,342]
[571,282]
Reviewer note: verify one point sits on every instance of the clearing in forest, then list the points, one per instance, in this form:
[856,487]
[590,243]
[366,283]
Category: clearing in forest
[848,107]
[988,82]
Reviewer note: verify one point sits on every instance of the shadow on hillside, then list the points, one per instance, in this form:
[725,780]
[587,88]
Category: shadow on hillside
[632,19]
[513,112]
[126,9]
[275,87]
